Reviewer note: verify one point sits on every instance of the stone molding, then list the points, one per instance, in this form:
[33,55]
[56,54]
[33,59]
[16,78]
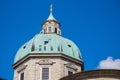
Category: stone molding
[72,66]
[45,62]
[21,68]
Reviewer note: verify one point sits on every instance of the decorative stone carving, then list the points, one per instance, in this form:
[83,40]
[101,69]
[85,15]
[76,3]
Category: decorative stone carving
[22,67]
[72,66]
[45,62]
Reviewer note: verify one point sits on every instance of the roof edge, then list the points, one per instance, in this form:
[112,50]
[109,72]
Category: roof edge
[36,55]
[107,73]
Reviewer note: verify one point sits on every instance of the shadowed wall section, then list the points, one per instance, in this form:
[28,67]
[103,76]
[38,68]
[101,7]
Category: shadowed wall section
[106,74]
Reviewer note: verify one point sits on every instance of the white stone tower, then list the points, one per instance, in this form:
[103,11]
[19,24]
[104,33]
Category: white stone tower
[48,55]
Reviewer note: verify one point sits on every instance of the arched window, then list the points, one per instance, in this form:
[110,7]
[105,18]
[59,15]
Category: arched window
[49,29]
[56,30]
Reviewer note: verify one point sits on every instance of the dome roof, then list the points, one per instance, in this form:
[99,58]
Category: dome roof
[49,43]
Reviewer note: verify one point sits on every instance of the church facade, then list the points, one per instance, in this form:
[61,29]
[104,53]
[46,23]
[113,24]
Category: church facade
[49,56]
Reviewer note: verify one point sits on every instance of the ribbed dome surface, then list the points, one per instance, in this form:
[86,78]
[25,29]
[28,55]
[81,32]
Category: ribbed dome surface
[49,43]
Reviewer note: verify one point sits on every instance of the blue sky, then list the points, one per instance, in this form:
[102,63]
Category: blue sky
[94,25]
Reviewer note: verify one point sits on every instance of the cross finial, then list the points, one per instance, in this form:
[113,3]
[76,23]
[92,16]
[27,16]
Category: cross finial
[51,8]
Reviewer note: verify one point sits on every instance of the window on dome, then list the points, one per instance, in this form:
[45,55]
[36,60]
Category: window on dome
[55,30]
[49,29]
[79,56]
[45,48]
[45,42]
[69,45]
[61,48]
[40,47]
[24,47]
[58,48]
[51,48]
[45,29]
[33,48]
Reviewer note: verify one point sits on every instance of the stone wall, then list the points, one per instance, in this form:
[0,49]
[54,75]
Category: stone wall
[32,68]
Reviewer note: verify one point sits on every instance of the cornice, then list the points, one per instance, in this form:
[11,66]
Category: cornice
[47,55]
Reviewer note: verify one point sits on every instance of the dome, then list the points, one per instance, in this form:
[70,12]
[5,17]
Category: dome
[48,43]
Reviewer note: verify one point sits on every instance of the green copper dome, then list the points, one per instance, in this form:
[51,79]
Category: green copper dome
[49,43]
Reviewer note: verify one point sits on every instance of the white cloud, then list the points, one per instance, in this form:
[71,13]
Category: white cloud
[109,63]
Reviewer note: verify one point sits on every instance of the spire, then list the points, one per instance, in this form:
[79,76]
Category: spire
[51,8]
[51,15]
